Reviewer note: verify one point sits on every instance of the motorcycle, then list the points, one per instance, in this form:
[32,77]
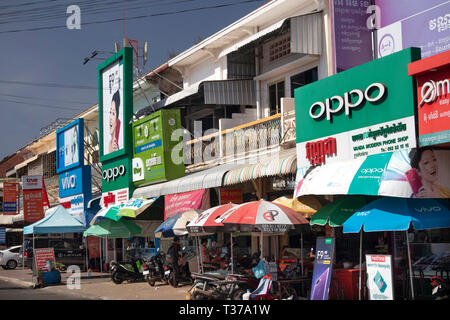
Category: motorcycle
[441,289]
[156,270]
[183,273]
[132,271]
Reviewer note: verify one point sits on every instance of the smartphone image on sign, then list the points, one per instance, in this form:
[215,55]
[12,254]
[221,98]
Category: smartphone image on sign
[379,281]
[320,285]
[414,180]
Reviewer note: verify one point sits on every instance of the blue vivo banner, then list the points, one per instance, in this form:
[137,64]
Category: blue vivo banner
[76,181]
[70,146]
[323,268]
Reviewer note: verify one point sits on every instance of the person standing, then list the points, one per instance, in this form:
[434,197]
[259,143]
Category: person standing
[174,253]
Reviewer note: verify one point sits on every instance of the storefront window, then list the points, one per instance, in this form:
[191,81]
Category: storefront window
[276,92]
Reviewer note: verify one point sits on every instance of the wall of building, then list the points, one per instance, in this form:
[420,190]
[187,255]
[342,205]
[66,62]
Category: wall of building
[13,160]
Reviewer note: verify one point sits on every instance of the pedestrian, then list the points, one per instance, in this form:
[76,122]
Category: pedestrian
[173,255]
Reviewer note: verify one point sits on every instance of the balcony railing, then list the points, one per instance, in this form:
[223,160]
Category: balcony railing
[235,143]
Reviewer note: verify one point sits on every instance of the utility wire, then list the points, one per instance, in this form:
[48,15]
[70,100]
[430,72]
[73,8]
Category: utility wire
[133,18]
[40,98]
[42,105]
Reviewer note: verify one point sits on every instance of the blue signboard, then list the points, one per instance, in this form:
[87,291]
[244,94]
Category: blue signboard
[2,235]
[76,181]
[70,146]
[323,268]
[9,207]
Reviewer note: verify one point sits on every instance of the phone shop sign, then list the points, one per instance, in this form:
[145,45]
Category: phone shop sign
[379,277]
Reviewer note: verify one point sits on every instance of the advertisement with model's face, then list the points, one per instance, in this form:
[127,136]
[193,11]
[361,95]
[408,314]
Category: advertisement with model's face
[71,150]
[113,131]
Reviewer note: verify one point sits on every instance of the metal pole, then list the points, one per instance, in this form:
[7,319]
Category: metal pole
[197,251]
[101,255]
[23,250]
[231,250]
[261,246]
[301,253]
[87,261]
[410,266]
[200,250]
[360,261]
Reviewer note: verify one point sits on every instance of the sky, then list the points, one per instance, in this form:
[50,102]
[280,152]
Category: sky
[42,76]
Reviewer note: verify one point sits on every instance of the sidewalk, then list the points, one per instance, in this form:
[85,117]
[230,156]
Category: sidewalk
[99,286]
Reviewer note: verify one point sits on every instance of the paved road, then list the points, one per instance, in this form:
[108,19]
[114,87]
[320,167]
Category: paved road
[12,291]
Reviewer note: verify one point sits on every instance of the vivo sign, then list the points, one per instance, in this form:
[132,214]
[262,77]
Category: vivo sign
[113,173]
[326,108]
[431,91]
[69,182]
[75,182]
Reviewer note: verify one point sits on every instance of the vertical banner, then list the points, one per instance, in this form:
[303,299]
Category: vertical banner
[323,268]
[9,198]
[33,209]
[181,202]
[379,277]
[93,246]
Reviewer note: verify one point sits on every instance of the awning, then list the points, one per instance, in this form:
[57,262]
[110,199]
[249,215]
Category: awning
[281,163]
[381,174]
[177,96]
[209,178]
[23,164]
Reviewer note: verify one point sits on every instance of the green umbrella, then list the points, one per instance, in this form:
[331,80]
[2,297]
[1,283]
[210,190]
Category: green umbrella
[113,212]
[113,229]
[337,212]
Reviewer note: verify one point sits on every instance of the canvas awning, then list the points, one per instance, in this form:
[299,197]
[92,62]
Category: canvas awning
[58,221]
[209,178]
[280,163]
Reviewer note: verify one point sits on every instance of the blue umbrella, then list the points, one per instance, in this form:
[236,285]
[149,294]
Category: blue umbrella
[397,214]
[176,224]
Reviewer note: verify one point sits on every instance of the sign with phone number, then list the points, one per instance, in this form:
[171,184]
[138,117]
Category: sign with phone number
[379,276]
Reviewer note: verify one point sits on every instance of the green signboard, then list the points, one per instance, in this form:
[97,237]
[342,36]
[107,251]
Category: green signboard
[373,93]
[154,157]
[115,105]
[117,185]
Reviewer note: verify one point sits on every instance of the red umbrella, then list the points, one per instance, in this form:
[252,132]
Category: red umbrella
[205,223]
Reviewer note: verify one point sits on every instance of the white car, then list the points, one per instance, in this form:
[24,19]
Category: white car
[9,258]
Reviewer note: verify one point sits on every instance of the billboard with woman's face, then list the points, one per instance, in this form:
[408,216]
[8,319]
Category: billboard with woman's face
[112,79]
[69,146]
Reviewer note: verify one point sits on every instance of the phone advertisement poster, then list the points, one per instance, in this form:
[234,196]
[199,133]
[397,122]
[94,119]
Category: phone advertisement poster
[323,268]
[112,79]
[379,277]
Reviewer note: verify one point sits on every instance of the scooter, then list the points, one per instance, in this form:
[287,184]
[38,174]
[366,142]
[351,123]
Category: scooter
[183,273]
[132,271]
[156,271]
[441,289]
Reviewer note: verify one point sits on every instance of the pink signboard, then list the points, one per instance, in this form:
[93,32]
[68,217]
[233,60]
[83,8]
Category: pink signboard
[181,202]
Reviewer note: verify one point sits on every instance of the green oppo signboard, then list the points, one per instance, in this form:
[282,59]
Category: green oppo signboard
[155,155]
[365,110]
[117,185]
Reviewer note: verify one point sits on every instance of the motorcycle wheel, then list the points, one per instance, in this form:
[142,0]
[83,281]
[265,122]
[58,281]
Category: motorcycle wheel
[151,280]
[115,278]
[237,294]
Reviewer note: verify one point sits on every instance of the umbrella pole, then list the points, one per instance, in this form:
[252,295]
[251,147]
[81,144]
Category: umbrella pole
[23,250]
[87,264]
[101,256]
[231,249]
[200,250]
[261,246]
[197,251]
[301,253]
[115,253]
[410,266]
[360,262]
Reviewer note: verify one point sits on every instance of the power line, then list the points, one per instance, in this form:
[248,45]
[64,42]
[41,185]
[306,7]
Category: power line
[40,98]
[41,105]
[133,18]
[50,85]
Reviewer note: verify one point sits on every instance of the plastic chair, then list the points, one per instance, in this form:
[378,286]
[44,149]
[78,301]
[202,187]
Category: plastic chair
[262,292]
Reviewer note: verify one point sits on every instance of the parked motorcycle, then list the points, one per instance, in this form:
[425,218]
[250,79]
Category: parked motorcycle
[441,287]
[132,271]
[156,270]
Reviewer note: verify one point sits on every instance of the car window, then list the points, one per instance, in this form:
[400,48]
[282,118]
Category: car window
[15,250]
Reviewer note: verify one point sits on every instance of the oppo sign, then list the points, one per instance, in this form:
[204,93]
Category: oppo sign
[346,101]
[113,173]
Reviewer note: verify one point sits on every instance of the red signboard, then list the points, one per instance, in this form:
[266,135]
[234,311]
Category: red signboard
[433,98]
[318,150]
[44,258]
[230,195]
[33,209]
[93,246]
[181,202]
[9,198]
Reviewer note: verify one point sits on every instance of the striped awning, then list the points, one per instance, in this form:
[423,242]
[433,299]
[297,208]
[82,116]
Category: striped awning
[284,162]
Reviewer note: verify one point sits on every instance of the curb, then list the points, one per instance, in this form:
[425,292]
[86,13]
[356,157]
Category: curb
[17,282]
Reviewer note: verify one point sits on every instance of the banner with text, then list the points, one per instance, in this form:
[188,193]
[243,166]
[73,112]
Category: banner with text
[323,268]
[9,198]
[181,202]
[379,277]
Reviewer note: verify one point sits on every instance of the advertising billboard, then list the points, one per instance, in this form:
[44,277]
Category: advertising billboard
[413,23]
[181,202]
[76,181]
[115,104]
[152,148]
[323,268]
[117,185]
[70,146]
[366,110]
[379,277]
[9,205]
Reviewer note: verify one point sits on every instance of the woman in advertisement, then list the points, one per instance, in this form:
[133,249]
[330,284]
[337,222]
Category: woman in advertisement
[424,175]
[114,123]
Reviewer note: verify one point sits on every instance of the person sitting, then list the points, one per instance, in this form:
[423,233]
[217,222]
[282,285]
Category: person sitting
[204,251]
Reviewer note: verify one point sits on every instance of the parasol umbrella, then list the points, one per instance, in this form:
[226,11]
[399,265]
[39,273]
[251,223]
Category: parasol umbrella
[397,214]
[264,216]
[135,206]
[176,224]
[306,205]
[113,229]
[109,212]
[336,213]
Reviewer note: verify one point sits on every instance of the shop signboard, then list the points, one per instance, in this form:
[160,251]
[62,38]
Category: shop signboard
[379,277]
[9,198]
[231,195]
[115,77]
[181,202]
[413,23]
[433,98]
[152,148]
[351,38]
[117,183]
[93,246]
[44,259]
[323,268]
[70,146]
[76,181]
[33,207]
[75,205]
[365,110]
